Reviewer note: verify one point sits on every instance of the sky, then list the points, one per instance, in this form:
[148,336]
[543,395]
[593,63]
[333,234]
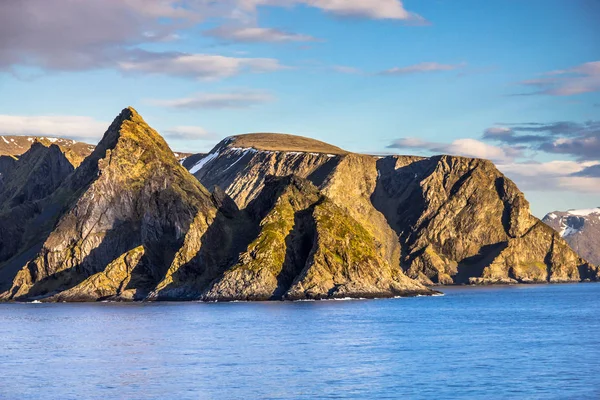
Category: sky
[517,82]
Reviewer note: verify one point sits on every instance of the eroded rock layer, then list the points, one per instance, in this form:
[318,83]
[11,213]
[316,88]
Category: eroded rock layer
[444,219]
[284,218]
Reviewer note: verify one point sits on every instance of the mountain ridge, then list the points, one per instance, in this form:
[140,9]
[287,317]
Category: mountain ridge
[580,228]
[427,202]
[261,223]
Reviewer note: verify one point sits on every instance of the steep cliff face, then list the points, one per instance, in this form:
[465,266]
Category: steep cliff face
[130,192]
[579,228]
[131,223]
[241,166]
[35,175]
[25,211]
[309,248]
[288,218]
[445,219]
[7,163]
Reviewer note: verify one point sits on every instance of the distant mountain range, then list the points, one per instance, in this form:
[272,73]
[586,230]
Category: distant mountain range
[13,146]
[262,217]
[580,228]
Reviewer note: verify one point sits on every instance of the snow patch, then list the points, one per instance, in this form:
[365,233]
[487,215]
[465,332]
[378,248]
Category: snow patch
[242,154]
[566,230]
[552,216]
[584,212]
[200,164]
[5,141]
[245,149]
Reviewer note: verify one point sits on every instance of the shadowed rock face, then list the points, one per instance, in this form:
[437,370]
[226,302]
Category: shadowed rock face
[579,228]
[24,213]
[445,219]
[130,192]
[309,248]
[131,223]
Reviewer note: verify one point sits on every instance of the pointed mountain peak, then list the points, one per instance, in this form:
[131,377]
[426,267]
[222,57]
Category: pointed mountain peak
[130,146]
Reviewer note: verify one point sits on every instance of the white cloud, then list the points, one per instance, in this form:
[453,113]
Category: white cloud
[496,131]
[422,67]
[188,133]
[239,99]
[347,70]
[584,78]
[90,34]
[529,175]
[73,127]
[552,175]
[374,9]
[461,147]
[256,34]
[199,66]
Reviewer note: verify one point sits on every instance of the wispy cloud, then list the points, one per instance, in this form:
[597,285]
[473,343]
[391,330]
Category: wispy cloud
[237,99]
[198,66]
[462,147]
[344,69]
[581,140]
[373,9]
[422,68]
[553,175]
[590,172]
[584,78]
[68,126]
[251,34]
[92,34]
[578,176]
[188,133]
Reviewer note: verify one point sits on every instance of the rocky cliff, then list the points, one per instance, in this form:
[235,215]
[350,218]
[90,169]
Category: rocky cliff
[131,223]
[283,217]
[579,228]
[123,214]
[444,219]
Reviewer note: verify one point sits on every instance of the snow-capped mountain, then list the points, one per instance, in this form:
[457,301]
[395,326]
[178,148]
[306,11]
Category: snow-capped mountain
[580,228]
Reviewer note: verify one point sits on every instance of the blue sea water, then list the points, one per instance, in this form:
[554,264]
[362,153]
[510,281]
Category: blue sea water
[534,342]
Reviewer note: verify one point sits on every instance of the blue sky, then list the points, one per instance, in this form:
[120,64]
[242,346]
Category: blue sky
[517,82]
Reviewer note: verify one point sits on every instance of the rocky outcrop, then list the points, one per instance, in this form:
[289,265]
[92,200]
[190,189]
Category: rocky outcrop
[130,192]
[309,248]
[130,223]
[25,209]
[445,219]
[285,218]
[579,228]
[34,176]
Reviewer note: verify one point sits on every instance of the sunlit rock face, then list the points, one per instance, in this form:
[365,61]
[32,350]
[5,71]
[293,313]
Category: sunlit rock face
[263,217]
[444,219]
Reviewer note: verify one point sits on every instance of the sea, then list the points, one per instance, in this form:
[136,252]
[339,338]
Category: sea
[502,342]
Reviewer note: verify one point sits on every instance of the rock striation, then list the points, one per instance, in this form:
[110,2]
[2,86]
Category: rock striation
[262,217]
[444,219]
[131,223]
